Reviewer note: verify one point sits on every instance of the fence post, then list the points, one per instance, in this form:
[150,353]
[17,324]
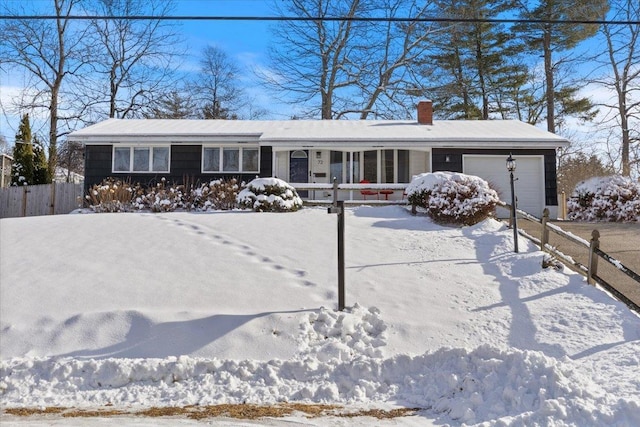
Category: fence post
[544,239]
[24,200]
[563,205]
[593,257]
[52,207]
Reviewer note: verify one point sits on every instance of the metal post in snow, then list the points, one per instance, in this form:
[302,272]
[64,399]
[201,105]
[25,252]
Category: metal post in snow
[338,208]
[511,166]
[341,296]
[515,216]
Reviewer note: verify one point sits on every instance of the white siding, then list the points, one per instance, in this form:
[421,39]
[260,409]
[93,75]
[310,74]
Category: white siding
[282,165]
[419,162]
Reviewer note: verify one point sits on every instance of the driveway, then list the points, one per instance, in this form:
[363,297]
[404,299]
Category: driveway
[620,240]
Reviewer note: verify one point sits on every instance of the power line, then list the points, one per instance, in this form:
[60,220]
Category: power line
[324,18]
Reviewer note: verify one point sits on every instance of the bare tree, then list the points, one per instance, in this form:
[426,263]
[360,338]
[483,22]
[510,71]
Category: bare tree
[579,167]
[390,86]
[71,158]
[620,63]
[313,60]
[216,88]
[135,59]
[357,58]
[52,53]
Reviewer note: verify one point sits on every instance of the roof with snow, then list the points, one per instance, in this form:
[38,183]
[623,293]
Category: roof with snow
[481,133]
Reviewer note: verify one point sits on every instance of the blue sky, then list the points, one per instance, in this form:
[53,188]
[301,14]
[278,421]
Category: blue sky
[246,42]
[233,36]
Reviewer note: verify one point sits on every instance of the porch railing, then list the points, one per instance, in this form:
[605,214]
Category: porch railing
[322,193]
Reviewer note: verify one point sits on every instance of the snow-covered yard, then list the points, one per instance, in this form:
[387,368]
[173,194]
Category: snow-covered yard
[138,310]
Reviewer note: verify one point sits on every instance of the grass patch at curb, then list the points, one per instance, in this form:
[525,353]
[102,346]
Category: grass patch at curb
[237,411]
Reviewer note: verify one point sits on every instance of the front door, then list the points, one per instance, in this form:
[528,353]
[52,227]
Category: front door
[299,168]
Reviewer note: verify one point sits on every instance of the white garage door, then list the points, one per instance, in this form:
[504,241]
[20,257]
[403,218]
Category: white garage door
[529,174]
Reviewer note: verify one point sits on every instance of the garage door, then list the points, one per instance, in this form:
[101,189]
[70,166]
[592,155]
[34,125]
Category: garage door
[529,174]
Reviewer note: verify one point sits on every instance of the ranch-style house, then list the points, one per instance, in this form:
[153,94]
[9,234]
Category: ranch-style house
[315,151]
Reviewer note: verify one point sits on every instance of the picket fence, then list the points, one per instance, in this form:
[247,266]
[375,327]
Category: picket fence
[33,200]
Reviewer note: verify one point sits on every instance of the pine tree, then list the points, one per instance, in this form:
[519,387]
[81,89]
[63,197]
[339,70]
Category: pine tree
[23,167]
[547,39]
[40,165]
[478,62]
[172,106]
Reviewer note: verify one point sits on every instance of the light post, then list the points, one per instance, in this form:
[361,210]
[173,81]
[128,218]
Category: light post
[511,166]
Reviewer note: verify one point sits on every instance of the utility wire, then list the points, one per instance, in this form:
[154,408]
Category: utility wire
[323,18]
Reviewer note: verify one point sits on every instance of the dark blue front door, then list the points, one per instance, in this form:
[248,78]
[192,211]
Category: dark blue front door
[299,169]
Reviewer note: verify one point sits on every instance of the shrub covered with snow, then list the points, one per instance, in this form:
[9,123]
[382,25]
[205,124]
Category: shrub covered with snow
[611,198]
[112,195]
[453,198]
[220,194]
[116,196]
[161,198]
[269,195]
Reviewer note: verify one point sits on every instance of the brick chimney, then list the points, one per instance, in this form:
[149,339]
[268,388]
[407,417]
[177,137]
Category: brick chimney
[425,113]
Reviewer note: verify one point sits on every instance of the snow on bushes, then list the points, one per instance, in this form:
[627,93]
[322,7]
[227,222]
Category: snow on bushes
[161,198]
[269,195]
[116,196]
[217,195]
[112,195]
[453,198]
[611,198]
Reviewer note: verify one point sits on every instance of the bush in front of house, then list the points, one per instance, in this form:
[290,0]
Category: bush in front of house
[112,195]
[269,195]
[610,198]
[453,198]
[220,194]
[160,198]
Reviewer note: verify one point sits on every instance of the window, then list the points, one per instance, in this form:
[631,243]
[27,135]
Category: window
[250,159]
[122,159]
[230,159]
[211,159]
[141,159]
[386,157]
[371,166]
[376,166]
[403,166]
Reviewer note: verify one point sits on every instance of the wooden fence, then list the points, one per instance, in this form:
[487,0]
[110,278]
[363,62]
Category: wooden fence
[590,270]
[34,200]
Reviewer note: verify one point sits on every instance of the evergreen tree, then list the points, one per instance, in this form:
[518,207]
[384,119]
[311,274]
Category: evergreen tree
[174,105]
[549,37]
[23,167]
[40,165]
[479,62]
